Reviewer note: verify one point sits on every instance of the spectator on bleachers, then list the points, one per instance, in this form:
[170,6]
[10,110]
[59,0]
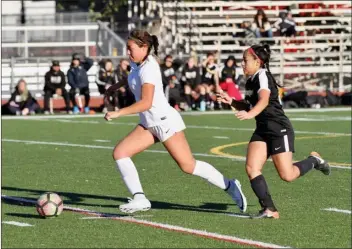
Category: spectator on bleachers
[285,24]
[190,81]
[105,79]
[78,80]
[167,70]
[173,94]
[21,101]
[248,34]
[55,83]
[210,83]
[228,78]
[261,25]
[124,95]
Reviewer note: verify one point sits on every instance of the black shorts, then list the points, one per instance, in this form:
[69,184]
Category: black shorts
[276,145]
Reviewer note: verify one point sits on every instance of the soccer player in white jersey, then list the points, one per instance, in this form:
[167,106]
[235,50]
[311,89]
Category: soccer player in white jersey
[158,122]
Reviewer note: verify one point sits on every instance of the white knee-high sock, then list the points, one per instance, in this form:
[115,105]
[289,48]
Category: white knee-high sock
[212,175]
[130,176]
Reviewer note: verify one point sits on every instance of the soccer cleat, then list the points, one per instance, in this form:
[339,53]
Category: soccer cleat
[86,109]
[266,213]
[322,165]
[235,191]
[135,205]
[76,110]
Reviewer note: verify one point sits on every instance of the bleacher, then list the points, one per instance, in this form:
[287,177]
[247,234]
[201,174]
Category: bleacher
[34,74]
[322,44]
[194,27]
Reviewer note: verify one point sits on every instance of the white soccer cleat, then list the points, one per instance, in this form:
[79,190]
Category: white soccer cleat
[135,205]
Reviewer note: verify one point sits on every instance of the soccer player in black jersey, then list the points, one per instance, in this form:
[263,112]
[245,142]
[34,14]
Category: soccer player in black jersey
[274,134]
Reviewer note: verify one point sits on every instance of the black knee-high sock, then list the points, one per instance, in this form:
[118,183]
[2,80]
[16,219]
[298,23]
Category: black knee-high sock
[262,192]
[188,98]
[305,165]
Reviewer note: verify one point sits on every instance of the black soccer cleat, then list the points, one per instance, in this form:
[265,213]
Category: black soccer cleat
[322,164]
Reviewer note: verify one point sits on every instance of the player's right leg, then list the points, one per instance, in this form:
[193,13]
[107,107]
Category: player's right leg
[180,151]
[256,158]
[136,141]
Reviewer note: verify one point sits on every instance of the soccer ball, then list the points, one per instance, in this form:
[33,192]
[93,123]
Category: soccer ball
[49,205]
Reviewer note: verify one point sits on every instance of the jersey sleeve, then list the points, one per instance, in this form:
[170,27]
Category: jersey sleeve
[149,74]
[263,81]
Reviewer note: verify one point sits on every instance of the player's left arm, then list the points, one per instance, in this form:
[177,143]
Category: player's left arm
[258,108]
[261,104]
[263,99]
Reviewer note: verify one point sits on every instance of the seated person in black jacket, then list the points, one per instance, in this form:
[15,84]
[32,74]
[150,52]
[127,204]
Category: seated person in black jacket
[55,83]
[105,79]
[21,101]
[78,80]
[124,93]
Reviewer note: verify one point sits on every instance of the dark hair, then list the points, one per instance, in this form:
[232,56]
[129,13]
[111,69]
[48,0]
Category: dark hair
[169,56]
[142,37]
[265,18]
[210,54]
[263,52]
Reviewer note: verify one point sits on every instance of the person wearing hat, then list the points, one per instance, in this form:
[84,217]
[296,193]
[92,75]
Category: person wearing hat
[78,80]
[55,83]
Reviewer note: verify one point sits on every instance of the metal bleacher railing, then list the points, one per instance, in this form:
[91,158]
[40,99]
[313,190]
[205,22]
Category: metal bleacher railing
[56,40]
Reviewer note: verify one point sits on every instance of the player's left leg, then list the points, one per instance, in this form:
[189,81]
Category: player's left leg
[180,151]
[281,152]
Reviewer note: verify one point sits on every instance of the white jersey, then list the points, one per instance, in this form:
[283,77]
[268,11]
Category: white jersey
[149,72]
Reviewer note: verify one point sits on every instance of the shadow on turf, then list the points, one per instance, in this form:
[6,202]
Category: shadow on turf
[80,199]
[21,215]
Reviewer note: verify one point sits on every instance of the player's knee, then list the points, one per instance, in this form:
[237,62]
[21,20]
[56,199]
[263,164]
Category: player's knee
[118,154]
[286,177]
[252,171]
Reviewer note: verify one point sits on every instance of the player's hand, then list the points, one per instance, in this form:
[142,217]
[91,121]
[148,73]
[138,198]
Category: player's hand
[111,115]
[243,115]
[224,98]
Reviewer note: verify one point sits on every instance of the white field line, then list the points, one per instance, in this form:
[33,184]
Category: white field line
[303,110]
[331,119]
[221,137]
[188,126]
[15,223]
[149,151]
[337,210]
[102,141]
[163,226]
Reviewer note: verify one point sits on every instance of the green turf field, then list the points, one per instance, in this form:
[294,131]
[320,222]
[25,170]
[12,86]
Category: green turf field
[72,156]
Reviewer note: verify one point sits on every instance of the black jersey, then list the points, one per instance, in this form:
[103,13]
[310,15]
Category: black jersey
[166,74]
[190,76]
[272,120]
[208,74]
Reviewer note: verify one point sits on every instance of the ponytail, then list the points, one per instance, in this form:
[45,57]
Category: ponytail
[155,44]
[263,54]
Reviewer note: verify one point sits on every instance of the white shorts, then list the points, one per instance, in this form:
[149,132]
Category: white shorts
[168,127]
